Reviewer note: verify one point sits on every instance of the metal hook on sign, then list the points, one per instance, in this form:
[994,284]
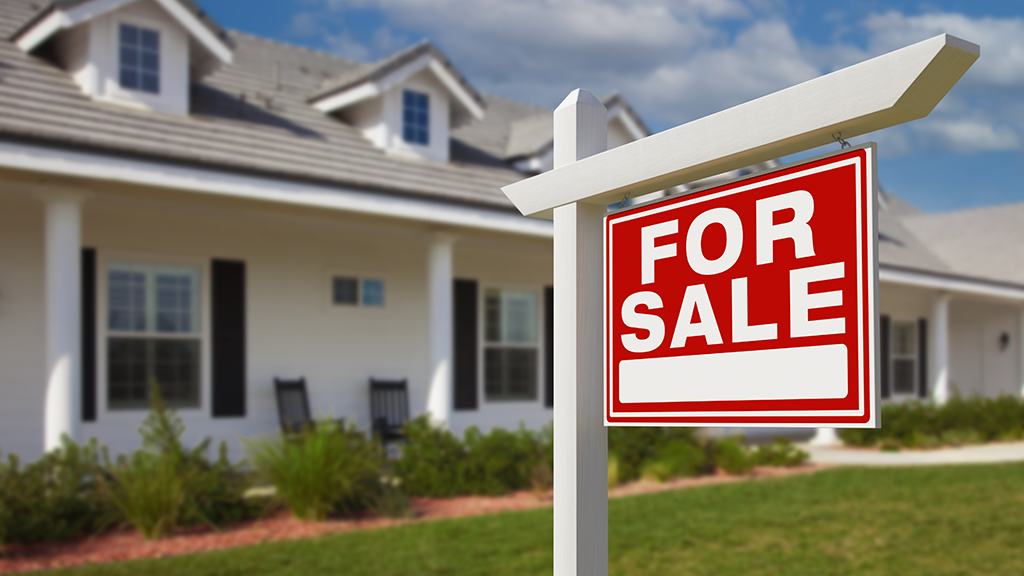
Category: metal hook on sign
[625,199]
[838,137]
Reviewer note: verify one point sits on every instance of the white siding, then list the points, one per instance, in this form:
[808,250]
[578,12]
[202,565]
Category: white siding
[979,364]
[22,337]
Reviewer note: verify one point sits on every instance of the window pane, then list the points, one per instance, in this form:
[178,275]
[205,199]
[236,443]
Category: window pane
[492,315]
[150,38]
[346,291]
[127,300]
[150,83]
[176,292]
[903,375]
[127,378]
[150,61]
[129,58]
[373,292]
[176,369]
[519,317]
[510,374]
[129,35]
[134,363]
[415,117]
[904,338]
[129,79]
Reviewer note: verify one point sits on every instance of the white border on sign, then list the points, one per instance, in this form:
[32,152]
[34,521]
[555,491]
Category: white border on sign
[871,191]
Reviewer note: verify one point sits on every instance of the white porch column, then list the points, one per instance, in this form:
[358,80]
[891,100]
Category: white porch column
[581,440]
[940,355]
[62,412]
[825,437]
[439,285]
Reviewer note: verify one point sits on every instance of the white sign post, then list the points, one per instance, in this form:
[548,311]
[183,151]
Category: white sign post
[892,89]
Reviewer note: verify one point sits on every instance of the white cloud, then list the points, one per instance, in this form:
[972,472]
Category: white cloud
[680,60]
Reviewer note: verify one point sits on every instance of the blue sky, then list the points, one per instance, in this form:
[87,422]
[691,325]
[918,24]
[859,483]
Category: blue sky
[676,61]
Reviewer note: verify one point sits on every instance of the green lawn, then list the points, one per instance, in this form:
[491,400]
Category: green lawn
[935,520]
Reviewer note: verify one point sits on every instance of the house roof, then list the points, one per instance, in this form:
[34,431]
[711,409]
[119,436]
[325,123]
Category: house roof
[251,115]
[983,242]
[391,64]
[219,44]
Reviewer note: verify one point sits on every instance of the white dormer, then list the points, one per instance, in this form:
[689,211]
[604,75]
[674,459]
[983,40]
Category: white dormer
[405,105]
[140,53]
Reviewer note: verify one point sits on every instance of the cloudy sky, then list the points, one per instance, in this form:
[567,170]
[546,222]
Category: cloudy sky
[677,60]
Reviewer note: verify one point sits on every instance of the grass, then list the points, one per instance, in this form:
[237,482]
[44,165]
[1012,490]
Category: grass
[935,520]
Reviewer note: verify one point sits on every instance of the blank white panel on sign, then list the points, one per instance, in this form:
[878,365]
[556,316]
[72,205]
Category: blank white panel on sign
[811,372]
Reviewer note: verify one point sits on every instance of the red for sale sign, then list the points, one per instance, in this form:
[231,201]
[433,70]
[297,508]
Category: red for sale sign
[747,304]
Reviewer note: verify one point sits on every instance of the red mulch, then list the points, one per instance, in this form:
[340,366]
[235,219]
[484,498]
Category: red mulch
[129,545]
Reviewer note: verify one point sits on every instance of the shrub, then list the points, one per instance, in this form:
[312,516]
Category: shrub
[500,461]
[433,461]
[780,452]
[324,469]
[389,500]
[682,459]
[165,485]
[634,447]
[958,421]
[656,471]
[54,498]
[732,456]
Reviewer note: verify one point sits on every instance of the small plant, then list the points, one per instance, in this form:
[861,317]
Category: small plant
[889,445]
[390,501]
[732,456]
[324,469]
[682,459]
[164,485]
[656,471]
[634,447]
[780,452]
[54,498]
[542,478]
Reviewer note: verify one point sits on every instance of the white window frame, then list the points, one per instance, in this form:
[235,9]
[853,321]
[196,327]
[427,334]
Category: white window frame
[103,333]
[483,344]
[360,277]
[114,89]
[893,356]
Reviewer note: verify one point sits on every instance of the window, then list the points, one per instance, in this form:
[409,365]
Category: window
[140,59]
[903,357]
[510,345]
[415,117]
[152,334]
[349,291]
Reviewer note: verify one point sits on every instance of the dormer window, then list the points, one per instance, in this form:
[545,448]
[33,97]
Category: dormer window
[140,59]
[416,118]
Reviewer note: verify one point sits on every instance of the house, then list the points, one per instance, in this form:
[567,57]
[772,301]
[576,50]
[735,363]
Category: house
[210,210]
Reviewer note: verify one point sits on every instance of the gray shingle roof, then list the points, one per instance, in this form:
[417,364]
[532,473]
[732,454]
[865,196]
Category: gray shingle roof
[388,65]
[250,116]
[982,242]
[189,5]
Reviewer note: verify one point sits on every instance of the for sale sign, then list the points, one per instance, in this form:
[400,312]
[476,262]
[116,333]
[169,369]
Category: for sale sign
[747,304]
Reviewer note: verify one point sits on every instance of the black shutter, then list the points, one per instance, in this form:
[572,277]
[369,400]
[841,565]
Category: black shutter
[465,345]
[228,362]
[883,344]
[922,358]
[88,335]
[549,346]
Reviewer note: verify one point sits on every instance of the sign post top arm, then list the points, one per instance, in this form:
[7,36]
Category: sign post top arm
[891,89]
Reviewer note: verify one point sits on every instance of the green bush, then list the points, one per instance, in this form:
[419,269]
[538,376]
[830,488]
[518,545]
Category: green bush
[165,485]
[958,421]
[682,459]
[433,461]
[635,446]
[501,460]
[732,456]
[324,469]
[780,452]
[613,471]
[54,498]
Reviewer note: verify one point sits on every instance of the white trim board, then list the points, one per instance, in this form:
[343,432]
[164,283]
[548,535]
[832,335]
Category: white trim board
[954,285]
[99,167]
